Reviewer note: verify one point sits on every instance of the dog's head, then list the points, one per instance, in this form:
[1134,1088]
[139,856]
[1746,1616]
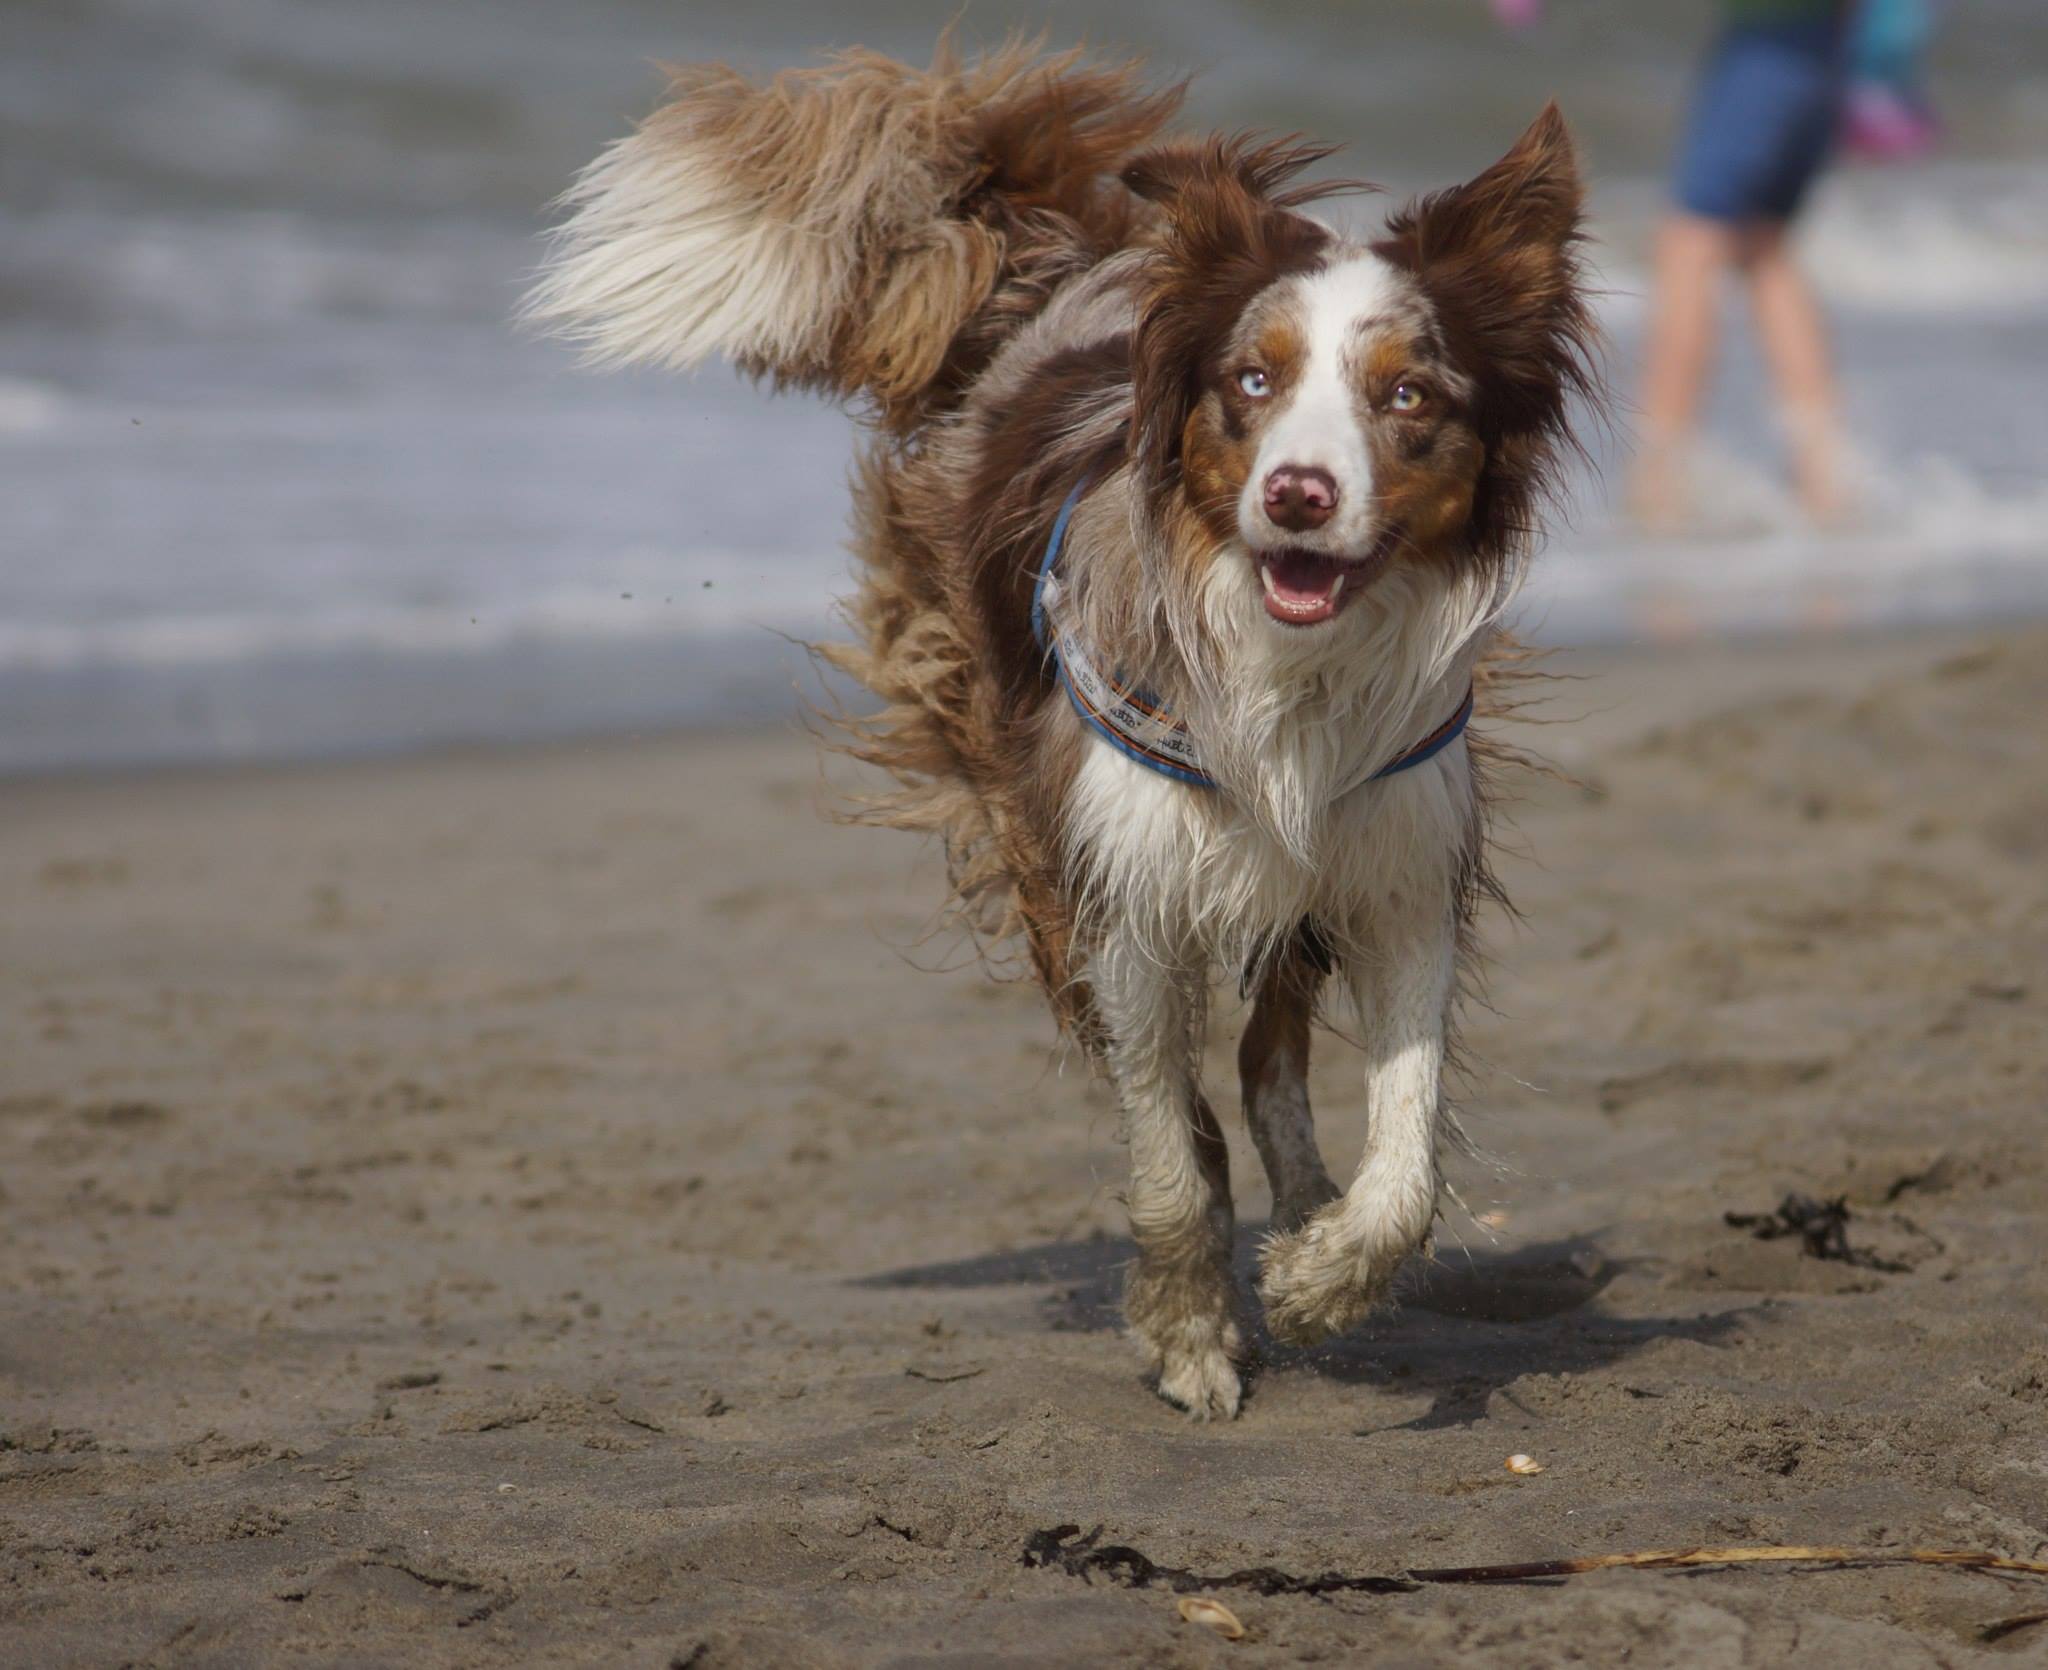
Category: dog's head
[1318,412]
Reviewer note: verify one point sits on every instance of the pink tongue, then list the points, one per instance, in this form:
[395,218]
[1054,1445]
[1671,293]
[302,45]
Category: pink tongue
[1300,576]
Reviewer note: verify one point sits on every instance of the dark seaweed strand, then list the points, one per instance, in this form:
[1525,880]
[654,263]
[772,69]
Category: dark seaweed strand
[1064,1549]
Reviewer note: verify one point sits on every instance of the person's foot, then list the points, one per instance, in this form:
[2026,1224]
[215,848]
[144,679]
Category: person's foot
[1660,497]
[1827,507]
[1819,467]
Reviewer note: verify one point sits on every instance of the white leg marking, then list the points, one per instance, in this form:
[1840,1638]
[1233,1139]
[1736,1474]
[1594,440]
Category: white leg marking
[1328,1275]
[1181,1301]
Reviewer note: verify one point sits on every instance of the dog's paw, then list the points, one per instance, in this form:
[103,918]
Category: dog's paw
[1202,1373]
[1187,1325]
[1326,1278]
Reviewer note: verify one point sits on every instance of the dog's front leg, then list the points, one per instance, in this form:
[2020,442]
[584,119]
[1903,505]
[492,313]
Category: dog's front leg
[1180,1300]
[1272,1063]
[1326,1276]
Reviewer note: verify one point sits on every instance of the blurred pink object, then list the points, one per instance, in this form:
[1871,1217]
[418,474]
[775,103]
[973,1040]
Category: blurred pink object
[1519,14]
[1881,126]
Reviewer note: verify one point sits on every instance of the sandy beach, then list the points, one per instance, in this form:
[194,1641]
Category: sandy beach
[562,1206]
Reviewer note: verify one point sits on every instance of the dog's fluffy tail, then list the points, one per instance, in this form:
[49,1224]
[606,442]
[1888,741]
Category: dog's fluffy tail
[863,228]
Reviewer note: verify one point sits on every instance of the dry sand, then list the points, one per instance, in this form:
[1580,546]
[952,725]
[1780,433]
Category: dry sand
[532,1208]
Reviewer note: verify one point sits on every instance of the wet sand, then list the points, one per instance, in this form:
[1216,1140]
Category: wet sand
[557,1207]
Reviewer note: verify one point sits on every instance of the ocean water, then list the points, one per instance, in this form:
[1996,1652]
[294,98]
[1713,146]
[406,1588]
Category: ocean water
[278,477]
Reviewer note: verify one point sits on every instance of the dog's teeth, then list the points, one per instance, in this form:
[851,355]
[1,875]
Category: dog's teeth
[1337,588]
[1272,585]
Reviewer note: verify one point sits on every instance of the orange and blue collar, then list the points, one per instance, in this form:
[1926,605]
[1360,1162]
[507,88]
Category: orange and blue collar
[1136,722]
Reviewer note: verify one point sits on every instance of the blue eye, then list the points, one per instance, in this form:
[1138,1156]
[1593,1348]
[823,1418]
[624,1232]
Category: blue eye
[1255,383]
[1409,397]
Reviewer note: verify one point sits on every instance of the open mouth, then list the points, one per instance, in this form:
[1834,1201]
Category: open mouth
[1306,588]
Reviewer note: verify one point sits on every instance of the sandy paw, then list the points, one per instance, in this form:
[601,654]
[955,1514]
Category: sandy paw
[1186,1321]
[1203,1380]
[1319,1281]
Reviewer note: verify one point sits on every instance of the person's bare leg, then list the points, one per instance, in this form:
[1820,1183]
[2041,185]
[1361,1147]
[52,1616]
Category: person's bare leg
[1692,254]
[1794,335]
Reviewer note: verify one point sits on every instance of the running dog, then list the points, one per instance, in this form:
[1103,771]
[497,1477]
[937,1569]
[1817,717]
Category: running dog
[1186,525]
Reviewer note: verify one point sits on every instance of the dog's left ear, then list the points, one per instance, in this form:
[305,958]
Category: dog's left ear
[1499,259]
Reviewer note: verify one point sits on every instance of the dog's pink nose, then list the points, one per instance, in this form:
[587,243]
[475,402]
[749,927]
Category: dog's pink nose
[1300,497]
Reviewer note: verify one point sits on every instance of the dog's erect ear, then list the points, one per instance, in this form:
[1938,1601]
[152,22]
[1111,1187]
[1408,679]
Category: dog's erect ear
[1499,259]
[1228,229]
[1498,256]
[1534,189]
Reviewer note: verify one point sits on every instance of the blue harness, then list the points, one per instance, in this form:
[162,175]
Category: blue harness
[1131,718]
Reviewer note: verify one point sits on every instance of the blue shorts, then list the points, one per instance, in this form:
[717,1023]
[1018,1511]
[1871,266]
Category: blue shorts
[1763,121]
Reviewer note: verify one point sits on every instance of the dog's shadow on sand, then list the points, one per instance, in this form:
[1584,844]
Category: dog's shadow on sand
[1466,1324]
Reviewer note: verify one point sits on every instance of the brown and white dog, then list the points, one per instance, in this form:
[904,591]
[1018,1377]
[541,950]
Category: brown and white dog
[1295,482]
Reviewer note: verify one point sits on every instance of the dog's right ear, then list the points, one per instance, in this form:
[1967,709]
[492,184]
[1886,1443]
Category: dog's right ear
[1228,229]
[1259,172]
[1159,174]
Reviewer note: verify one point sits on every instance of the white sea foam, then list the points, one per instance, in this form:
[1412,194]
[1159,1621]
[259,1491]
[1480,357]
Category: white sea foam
[795,605]
[1943,240]
[28,407]
[264,426]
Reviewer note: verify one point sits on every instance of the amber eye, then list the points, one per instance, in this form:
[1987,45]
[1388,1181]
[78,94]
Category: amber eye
[1408,397]
[1254,382]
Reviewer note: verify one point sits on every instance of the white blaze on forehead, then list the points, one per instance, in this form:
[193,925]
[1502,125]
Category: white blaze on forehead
[1319,424]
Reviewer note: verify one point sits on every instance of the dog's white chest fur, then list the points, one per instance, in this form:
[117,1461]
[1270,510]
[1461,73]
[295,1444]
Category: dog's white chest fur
[1297,827]
[1194,871]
